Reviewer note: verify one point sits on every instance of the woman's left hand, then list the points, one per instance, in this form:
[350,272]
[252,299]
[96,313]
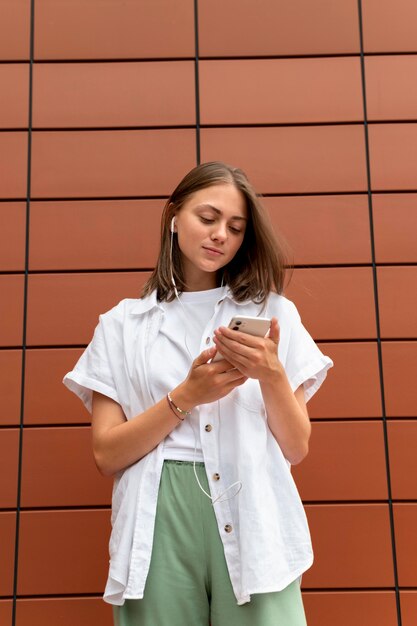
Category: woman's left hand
[254,357]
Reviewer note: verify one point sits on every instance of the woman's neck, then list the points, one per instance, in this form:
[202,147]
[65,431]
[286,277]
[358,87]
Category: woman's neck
[202,282]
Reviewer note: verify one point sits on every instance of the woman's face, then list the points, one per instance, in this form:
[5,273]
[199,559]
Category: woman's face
[210,227]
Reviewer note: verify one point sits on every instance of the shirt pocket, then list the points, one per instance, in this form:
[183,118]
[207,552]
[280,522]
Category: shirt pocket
[249,396]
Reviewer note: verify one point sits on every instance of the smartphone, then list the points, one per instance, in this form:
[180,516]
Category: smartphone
[257,326]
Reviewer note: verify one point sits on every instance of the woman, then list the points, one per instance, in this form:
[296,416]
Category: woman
[207,524]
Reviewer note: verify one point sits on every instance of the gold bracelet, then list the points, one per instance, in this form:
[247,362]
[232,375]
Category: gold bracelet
[177,408]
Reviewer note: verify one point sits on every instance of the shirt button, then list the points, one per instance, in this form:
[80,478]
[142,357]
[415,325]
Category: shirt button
[207,341]
[208,428]
[228,528]
[216,476]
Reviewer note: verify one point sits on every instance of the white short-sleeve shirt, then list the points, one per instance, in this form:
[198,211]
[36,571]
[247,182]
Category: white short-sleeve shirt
[266,547]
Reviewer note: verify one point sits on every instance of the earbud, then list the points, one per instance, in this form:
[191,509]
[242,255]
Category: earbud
[172,229]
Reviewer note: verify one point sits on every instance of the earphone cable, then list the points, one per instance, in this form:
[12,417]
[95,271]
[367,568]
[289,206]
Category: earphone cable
[238,483]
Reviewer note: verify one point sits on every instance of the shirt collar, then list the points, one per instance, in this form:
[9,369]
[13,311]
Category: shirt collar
[229,295]
[143,305]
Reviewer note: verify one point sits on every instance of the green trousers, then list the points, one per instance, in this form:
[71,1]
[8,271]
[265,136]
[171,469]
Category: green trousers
[188,583]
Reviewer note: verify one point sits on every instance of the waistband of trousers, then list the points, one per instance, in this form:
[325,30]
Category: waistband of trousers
[189,463]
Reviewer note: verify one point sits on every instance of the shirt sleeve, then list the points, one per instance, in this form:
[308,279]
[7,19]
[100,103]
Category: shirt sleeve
[92,371]
[304,364]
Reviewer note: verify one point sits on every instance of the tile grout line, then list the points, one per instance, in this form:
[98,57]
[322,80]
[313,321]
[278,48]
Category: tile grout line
[357,420]
[266,194]
[208,57]
[308,590]
[24,329]
[209,126]
[142,270]
[320,340]
[377,319]
[197,85]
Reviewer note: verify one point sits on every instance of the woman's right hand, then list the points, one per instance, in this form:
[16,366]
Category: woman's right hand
[118,442]
[207,382]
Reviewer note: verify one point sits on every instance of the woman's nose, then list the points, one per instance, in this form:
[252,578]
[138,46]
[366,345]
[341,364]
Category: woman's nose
[219,232]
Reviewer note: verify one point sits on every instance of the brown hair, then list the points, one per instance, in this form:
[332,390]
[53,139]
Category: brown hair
[259,265]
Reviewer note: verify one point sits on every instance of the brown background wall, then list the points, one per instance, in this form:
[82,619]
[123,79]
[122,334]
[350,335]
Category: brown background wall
[103,107]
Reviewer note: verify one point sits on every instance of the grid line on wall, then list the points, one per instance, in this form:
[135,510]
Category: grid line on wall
[253,57]
[109,270]
[295,194]
[25,311]
[377,320]
[197,85]
[217,125]
[317,420]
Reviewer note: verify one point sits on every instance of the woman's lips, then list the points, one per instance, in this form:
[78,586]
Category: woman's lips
[213,251]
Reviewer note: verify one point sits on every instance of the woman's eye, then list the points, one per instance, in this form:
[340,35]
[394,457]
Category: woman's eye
[237,231]
[206,220]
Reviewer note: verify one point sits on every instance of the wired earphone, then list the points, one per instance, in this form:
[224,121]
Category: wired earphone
[238,483]
[172,229]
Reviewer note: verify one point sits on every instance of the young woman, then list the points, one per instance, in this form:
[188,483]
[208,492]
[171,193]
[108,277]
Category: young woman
[207,524]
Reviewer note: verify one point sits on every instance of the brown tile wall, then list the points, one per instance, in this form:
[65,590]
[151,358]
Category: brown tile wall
[97,124]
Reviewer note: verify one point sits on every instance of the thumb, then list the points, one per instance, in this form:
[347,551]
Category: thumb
[274,330]
[204,356]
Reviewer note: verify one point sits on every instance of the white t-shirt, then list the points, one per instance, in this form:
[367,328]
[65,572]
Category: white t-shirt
[178,343]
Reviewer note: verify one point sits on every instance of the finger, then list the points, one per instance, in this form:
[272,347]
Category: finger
[232,350]
[238,337]
[241,382]
[221,366]
[274,330]
[204,356]
[232,375]
[238,366]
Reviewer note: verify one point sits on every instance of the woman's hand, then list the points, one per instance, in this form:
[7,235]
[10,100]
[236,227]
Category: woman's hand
[118,442]
[254,357]
[286,411]
[207,382]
